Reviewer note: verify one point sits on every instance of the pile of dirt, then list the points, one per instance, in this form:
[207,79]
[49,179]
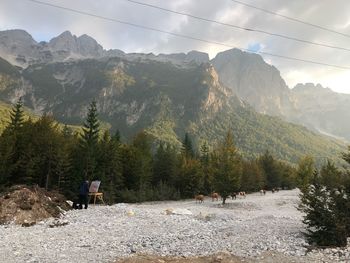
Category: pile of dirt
[29,205]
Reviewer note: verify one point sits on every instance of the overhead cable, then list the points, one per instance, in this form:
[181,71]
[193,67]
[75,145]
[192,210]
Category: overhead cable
[185,36]
[239,27]
[291,18]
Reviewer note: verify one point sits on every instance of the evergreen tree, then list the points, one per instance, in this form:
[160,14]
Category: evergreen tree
[205,165]
[164,166]
[12,147]
[288,175]
[189,178]
[89,141]
[331,176]
[16,116]
[187,148]
[252,176]
[66,131]
[109,169]
[270,169]
[227,168]
[305,171]
[324,214]
[142,144]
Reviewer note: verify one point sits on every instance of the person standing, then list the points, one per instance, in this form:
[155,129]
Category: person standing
[83,194]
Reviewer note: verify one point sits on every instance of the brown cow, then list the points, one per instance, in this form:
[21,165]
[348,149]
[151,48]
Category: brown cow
[242,194]
[214,197]
[199,198]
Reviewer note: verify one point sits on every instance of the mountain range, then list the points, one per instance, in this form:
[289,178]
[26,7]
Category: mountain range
[170,94]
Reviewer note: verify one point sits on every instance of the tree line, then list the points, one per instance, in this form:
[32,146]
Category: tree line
[42,152]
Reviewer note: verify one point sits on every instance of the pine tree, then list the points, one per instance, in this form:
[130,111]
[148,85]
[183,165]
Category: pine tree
[252,176]
[187,148]
[271,171]
[331,176]
[109,167]
[227,167]
[190,177]
[13,147]
[16,116]
[164,165]
[305,172]
[89,141]
[324,214]
[207,176]
[142,144]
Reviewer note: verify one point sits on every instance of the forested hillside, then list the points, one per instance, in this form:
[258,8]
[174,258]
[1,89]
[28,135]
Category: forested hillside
[164,100]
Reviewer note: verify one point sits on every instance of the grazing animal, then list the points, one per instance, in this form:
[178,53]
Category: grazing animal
[262,192]
[199,198]
[214,197]
[234,196]
[273,190]
[242,194]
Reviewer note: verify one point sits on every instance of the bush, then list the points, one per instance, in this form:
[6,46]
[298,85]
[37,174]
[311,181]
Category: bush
[129,196]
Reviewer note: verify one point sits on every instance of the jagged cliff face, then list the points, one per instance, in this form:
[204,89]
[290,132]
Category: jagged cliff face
[256,82]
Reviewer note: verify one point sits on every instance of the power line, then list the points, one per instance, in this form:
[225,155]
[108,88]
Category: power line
[184,36]
[238,27]
[292,18]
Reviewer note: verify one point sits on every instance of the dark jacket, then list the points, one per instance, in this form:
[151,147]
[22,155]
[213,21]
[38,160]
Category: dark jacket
[84,188]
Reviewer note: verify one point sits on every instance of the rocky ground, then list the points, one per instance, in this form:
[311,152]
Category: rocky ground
[255,229]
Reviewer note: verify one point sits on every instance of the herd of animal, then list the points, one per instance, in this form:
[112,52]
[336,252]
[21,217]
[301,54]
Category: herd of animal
[215,196]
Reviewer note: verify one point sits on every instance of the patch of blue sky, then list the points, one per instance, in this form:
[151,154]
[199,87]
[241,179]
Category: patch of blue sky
[254,47]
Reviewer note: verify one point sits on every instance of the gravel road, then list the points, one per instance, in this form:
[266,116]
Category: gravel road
[248,228]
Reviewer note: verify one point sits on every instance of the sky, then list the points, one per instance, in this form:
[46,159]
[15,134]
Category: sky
[44,23]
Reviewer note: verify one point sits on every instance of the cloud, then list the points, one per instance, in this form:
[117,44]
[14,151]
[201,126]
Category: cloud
[46,22]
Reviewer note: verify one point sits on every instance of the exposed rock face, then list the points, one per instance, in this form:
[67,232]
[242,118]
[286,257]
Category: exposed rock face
[254,81]
[20,49]
[84,45]
[322,109]
[261,85]
[198,57]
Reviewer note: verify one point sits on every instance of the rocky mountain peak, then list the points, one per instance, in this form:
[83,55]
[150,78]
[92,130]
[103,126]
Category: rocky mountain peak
[88,46]
[65,41]
[198,57]
[254,81]
[17,36]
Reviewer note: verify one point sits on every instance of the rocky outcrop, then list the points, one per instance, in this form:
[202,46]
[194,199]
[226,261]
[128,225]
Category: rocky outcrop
[254,81]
